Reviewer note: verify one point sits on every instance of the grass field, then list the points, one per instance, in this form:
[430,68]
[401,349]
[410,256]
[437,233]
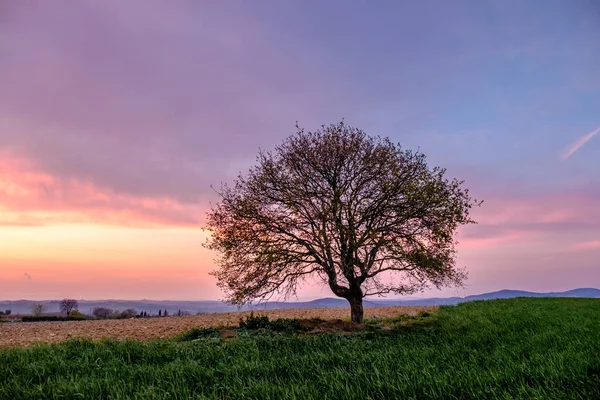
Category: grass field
[504,349]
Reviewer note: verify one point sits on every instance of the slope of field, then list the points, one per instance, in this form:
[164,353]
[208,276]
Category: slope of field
[501,349]
[21,333]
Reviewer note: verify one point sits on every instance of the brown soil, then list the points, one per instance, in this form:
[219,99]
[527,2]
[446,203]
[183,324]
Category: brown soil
[26,333]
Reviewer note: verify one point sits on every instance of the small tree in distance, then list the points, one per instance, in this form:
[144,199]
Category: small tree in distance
[68,305]
[362,214]
[38,309]
[129,313]
[102,312]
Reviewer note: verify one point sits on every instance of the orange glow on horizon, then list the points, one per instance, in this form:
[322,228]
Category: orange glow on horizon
[69,238]
[73,239]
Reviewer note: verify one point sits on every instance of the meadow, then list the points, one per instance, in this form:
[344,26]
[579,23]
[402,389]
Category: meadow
[525,348]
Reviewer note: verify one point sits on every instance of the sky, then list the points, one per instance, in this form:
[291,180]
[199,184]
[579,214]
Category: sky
[117,117]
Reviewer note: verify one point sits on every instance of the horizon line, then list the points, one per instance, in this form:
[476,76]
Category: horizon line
[318,298]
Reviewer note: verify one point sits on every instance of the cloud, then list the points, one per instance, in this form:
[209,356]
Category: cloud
[150,99]
[590,245]
[127,113]
[524,220]
[29,197]
[578,144]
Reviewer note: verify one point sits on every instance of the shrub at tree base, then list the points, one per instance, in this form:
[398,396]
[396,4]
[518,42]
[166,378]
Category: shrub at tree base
[254,322]
[288,325]
[198,333]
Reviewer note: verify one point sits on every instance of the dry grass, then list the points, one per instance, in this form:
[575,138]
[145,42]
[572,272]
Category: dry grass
[23,334]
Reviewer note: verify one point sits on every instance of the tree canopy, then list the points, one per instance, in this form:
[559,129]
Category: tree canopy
[68,305]
[359,213]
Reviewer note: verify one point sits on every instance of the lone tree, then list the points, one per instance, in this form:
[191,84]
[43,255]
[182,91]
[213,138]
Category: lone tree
[361,213]
[68,305]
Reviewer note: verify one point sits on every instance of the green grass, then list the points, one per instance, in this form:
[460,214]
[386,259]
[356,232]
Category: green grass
[519,348]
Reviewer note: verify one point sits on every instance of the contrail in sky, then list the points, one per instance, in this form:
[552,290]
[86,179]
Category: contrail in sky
[577,145]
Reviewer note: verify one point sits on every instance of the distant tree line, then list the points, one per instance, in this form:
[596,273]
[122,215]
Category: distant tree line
[69,308]
[108,313]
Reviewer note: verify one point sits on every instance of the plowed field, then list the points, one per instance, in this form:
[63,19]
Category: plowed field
[26,333]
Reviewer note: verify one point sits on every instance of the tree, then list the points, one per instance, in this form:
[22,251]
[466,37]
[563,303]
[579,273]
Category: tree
[129,313]
[38,309]
[68,305]
[360,213]
[103,312]
[75,314]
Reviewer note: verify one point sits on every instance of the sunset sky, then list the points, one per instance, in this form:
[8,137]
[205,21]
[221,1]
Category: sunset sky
[117,116]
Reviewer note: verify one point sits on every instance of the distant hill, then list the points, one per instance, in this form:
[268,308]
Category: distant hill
[152,306]
[507,294]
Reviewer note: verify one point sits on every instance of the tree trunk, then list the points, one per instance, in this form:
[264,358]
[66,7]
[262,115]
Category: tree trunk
[356,309]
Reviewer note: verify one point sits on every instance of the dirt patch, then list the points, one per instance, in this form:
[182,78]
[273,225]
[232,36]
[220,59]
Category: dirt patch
[310,324]
[319,325]
[227,333]
[26,333]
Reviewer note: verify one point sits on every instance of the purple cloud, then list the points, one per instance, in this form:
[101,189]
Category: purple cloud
[149,98]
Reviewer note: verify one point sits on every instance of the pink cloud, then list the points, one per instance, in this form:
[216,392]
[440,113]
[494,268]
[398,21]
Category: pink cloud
[505,239]
[541,209]
[532,220]
[152,99]
[32,197]
[591,245]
